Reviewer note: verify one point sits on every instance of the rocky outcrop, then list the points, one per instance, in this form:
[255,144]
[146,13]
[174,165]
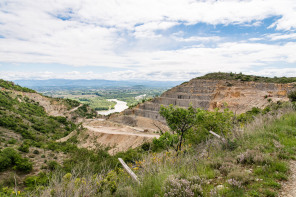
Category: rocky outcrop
[238,96]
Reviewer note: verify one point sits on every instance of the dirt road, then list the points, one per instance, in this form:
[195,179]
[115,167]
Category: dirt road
[119,131]
[75,108]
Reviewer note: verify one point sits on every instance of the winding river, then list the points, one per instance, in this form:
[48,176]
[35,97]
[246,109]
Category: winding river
[119,107]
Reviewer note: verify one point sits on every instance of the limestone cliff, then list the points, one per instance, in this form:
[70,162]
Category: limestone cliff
[238,96]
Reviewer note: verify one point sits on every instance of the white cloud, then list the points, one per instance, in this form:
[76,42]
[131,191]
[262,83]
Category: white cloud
[279,36]
[255,39]
[199,39]
[128,34]
[271,72]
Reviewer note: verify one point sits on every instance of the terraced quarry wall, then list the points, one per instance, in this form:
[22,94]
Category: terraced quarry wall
[238,96]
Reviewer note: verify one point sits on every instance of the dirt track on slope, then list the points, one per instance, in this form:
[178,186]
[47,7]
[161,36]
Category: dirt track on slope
[117,131]
[289,187]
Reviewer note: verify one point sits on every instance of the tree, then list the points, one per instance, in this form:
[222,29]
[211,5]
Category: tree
[181,120]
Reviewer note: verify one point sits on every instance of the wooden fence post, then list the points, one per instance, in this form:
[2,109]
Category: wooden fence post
[131,173]
[216,135]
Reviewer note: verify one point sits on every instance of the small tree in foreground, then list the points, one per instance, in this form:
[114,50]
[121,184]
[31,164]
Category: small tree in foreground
[181,120]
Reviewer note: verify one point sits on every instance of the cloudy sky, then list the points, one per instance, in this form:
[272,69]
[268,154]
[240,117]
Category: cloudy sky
[146,39]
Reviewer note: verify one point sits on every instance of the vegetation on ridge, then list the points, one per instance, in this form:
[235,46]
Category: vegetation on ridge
[11,86]
[242,77]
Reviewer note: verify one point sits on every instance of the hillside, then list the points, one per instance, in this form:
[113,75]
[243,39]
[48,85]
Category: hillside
[39,134]
[239,93]
[30,124]
[57,147]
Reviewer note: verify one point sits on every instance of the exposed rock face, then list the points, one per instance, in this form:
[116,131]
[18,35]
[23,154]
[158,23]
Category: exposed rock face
[238,96]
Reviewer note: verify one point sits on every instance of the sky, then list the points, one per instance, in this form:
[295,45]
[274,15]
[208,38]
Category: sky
[162,40]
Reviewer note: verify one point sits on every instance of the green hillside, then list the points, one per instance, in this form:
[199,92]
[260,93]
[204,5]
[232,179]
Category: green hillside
[28,134]
[11,86]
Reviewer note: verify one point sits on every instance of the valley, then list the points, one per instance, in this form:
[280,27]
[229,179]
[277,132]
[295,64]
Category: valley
[98,98]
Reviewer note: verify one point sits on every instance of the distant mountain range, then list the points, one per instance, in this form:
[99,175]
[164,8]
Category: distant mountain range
[93,83]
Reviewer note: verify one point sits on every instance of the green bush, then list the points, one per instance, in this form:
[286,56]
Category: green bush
[12,141]
[36,152]
[24,165]
[40,179]
[165,141]
[292,96]
[24,148]
[5,162]
[10,157]
[53,165]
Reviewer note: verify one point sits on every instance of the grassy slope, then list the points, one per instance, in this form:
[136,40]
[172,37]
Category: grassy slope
[252,163]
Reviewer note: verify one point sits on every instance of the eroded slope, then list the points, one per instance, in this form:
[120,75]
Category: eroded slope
[238,96]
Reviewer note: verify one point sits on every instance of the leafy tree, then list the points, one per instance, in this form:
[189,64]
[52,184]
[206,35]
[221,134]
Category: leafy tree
[181,120]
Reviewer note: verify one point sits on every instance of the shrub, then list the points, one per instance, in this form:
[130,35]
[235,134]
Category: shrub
[234,183]
[24,165]
[238,177]
[109,182]
[36,152]
[176,186]
[40,179]
[24,148]
[165,141]
[230,144]
[12,141]
[10,157]
[146,146]
[252,157]
[292,96]
[4,162]
[53,165]
[226,168]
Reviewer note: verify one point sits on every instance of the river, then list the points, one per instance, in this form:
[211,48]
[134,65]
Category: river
[119,107]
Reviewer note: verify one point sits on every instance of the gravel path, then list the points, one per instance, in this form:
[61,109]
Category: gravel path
[289,187]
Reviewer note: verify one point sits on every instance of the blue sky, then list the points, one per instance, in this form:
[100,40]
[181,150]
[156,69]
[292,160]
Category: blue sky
[146,39]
